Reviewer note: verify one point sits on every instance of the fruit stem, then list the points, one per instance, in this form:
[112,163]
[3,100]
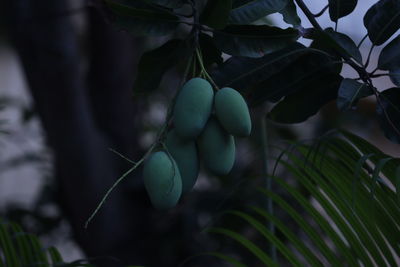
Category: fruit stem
[203,69]
[103,200]
[121,155]
[159,138]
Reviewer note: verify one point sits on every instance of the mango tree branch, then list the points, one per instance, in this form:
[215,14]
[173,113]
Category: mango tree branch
[362,72]
[310,16]
[321,12]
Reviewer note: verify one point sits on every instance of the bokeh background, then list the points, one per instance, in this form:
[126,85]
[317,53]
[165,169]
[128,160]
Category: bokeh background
[66,76]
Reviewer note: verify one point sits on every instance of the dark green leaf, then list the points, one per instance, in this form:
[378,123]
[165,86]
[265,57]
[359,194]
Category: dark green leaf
[153,64]
[270,236]
[326,225]
[243,73]
[341,8]
[346,43]
[289,14]
[252,40]
[78,263]
[55,256]
[216,13]
[350,92]
[7,247]
[37,249]
[22,243]
[382,20]
[142,18]
[395,76]
[389,57]
[356,179]
[211,54]
[167,3]
[307,101]
[336,44]
[285,230]
[305,71]
[320,46]
[248,11]
[232,261]
[388,111]
[253,248]
[302,222]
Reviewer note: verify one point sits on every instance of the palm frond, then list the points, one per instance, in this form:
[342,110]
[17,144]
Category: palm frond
[348,194]
[20,249]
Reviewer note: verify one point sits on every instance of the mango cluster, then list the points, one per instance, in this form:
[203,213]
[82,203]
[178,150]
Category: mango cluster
[205,125]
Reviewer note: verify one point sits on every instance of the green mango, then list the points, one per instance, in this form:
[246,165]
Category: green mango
[192,108]
[232,112]
[185,155]
[217,148]
[162,180]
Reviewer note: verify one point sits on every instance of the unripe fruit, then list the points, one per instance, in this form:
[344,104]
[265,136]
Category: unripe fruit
[232,112]
[217,148]
[185,155]
[193,108]
[162,180]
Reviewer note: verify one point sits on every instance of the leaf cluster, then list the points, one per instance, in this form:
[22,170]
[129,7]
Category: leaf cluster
[267,63]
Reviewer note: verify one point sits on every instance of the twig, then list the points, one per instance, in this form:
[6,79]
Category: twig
[103,200]
[321,12]
[362,40]
[379,75]
[122,156]
[372,72]
[203,69]
[308,14]
[369,56]
[160,136]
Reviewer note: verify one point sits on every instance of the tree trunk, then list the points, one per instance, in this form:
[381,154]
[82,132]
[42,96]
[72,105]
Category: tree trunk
[79,129]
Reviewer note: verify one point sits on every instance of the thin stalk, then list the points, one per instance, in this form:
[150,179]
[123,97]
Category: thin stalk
[308,14]
[321,12]
[267,181]
[160,136]
[121,155]
[203,69]
[373,72]
[362,40]
[369,56]
[379,75]
[103,200]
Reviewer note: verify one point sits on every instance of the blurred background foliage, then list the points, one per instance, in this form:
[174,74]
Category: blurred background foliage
[102,66]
